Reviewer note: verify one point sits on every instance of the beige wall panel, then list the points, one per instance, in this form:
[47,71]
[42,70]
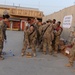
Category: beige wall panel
[59,17]
[2,10]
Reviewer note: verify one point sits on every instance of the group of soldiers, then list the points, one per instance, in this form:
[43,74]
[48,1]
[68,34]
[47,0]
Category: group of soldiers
[45,36]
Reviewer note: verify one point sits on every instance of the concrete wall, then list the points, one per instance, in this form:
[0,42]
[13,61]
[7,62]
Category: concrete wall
[21,12]
[59,17]
[3,10]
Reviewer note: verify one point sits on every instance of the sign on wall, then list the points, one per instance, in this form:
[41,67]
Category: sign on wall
[67,21]
[30,13]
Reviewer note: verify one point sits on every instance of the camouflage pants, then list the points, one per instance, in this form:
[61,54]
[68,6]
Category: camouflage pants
[57,41]
[47,44]
[53,44]
[32,46]
[72,55]
[1,47]
[56,46]
[24,47]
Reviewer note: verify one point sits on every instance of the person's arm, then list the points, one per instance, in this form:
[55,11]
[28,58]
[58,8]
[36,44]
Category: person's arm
[4,31]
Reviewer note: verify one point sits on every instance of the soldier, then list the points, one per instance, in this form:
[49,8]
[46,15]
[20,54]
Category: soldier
[3,32]
[47,37]
[30,39]
[54,23]
[26,27]
[54,27]
[38,34]
[57,34]
[37,24]
[72,51]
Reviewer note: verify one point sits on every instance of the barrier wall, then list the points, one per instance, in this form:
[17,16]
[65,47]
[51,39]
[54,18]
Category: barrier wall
[59,17]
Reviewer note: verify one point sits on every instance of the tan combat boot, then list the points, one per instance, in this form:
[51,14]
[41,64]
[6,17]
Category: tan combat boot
[74,70]
[23,52]
[28,54]
[50,53]
[69,65]
[55,54]
[1,58]
[44,53]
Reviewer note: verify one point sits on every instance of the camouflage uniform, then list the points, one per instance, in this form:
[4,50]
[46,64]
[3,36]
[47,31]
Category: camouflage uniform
[2,35]
[37,31]
[47,38]
[72,53]
[53,42]
[54,26]
[30,39]
[58,32]
[26,27]
[40,44]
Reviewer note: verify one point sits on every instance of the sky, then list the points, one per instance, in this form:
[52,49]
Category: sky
[47,6]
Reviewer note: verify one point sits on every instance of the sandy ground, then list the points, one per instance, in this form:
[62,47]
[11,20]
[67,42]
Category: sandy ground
[40,65]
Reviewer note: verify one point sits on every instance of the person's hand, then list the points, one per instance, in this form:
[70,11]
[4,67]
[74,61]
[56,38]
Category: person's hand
[66,45]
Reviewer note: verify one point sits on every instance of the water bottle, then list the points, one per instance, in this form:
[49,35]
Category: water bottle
[5,41]
[11,53]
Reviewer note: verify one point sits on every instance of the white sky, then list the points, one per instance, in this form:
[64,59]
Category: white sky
[47,6]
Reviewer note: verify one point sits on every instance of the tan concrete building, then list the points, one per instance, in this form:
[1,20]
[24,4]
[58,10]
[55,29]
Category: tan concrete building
[59,16]
[18,15]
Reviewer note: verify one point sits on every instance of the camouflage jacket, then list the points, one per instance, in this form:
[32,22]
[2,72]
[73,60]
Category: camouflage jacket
[48,33]
[30,36]
[73,43]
